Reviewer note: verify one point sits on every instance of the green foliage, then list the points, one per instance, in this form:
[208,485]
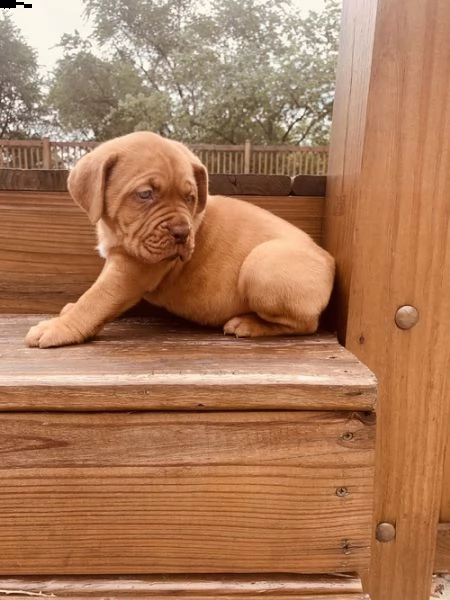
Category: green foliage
[221,72]
[20,94]
[87,90]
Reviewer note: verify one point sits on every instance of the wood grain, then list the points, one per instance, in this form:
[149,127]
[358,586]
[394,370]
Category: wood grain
[185,493]
[309,185]
[47,255]
[33,180]
[346,149]
[224,184]
[253,185]
[47,246]
[305,212]
[442,557]
[171,364]
[223,587]
[392,239]
[218,596]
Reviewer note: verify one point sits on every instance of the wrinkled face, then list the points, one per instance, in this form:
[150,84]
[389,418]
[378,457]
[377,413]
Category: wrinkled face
[153,211]
[151,194]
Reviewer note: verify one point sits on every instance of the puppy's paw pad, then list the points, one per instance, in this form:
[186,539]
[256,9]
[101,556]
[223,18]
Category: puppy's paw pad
[50,334]
[244,326]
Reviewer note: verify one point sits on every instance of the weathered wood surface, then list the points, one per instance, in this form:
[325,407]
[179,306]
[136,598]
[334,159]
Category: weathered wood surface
[333,596]
[224,184]
[47,252]
[223,587]
[171,364]
[442,557]
[47,246]
[309,185]
[242,492]
[51,180]
[254,185]
[305,212]
[388,224]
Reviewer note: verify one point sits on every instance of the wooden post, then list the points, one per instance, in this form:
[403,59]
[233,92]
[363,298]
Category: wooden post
[388,224]
[46,154]
[247,156]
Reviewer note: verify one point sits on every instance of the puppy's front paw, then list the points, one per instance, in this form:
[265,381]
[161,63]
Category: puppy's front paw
[52,333]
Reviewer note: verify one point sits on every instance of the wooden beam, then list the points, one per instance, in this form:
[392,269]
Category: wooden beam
[309,185]
[388,224]
[254,185]
[48,180]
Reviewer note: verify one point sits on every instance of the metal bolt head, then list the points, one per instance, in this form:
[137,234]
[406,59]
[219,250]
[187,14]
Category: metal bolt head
[406,317]
[385,532]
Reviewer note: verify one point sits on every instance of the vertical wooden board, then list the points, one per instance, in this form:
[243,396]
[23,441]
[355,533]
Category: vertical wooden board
[444,515]
[346,146]
[442,557]
[399,253]
[184,493]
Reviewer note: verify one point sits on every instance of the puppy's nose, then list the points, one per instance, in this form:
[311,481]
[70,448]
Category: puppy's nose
[179,232]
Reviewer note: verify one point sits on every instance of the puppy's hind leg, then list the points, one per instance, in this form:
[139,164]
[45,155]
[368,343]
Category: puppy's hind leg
[287,285]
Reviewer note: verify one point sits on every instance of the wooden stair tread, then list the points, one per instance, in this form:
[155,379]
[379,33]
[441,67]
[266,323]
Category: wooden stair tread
[165,363]
[306,587]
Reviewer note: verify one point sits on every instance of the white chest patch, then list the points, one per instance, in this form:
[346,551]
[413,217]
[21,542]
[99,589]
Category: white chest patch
[102,250]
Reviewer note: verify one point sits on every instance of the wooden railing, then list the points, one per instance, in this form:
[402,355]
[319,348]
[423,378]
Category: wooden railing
[246,158]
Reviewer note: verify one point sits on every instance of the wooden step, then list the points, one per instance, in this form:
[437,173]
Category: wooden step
[165,448]
[164,363]
[190,588]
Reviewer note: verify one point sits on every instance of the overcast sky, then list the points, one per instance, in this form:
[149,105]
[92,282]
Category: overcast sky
[44,23]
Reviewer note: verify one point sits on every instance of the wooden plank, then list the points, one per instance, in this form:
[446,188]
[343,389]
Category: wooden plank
[185,493]
[444,514]
[47,255]
[391,224]
[50,180]
[170,364]
[346,147]
[305,212]
[442,556]
[223,587]
[55,180]
[250,185]
[309,185]
[185,596]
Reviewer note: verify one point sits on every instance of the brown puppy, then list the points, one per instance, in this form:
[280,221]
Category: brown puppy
[217,261]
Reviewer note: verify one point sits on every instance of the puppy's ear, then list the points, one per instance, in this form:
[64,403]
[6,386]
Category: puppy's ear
[87,182]
[200,174]
[201,179]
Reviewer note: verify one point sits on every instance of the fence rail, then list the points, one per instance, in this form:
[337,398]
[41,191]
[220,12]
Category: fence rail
[246,158]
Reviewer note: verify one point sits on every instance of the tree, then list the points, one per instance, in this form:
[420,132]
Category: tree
[20,91]
[86,89]
[232,70]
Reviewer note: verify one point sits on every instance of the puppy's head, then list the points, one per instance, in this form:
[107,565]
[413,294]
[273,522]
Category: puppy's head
[149,192]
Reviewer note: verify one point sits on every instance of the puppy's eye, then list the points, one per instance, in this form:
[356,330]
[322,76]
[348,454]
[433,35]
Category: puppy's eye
[190,199]
[145,194]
